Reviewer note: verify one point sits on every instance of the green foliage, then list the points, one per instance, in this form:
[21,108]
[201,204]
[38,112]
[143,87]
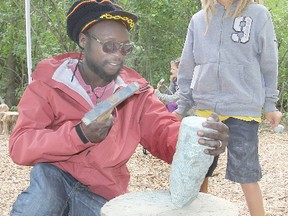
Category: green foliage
[285,118]
[48,33]
[12,38]
[278,9]
[159,35]
[48,22]
[13,108]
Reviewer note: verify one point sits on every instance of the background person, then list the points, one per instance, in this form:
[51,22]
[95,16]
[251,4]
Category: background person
[170,95]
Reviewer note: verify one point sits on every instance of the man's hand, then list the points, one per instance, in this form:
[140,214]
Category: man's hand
[218,140]
[97,131]
[274,118]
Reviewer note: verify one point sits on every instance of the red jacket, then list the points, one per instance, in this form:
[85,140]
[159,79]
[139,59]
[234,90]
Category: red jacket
[52,105]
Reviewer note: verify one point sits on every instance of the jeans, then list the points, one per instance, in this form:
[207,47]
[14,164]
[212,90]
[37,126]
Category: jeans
[53,192]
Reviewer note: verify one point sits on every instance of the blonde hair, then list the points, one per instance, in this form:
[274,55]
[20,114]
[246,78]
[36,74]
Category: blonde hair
[176,62]
[209,7]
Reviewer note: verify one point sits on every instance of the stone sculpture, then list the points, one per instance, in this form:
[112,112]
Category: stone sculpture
[190,164]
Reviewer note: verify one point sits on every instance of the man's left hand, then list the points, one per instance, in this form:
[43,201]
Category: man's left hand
[218,140]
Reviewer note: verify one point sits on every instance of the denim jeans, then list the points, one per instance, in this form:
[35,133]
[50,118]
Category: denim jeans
[53,192]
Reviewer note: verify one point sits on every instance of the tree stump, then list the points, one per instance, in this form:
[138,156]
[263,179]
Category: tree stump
[7,121]
[3,108]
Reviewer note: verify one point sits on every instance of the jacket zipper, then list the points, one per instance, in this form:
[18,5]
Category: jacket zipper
[219,54]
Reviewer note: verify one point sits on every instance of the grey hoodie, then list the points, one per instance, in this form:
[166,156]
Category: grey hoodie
[232,69]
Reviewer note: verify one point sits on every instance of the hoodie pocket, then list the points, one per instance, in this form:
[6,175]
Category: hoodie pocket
[234,84]
[205,78]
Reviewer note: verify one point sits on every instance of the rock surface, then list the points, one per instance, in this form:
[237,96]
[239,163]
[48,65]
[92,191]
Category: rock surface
[190,164]
[159,203]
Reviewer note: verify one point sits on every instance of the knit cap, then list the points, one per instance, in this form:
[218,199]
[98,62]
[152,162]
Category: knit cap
[84,14]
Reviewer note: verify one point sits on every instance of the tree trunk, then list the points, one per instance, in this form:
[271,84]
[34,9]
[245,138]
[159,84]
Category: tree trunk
[10,98]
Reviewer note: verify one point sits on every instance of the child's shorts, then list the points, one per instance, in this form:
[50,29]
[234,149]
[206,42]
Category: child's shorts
[243,160]
[212,167]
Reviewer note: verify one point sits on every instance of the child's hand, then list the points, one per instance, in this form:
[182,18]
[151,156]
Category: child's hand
[159,85]
[274,118]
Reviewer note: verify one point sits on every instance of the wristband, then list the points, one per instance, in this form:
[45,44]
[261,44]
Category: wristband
[81,134]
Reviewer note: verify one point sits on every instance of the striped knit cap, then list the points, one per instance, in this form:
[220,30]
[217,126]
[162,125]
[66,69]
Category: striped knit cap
[84,14]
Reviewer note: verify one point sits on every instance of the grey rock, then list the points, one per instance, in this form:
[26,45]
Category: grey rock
[190,163]
[279,128]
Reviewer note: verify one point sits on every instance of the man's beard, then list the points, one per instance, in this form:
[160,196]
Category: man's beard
[100,72]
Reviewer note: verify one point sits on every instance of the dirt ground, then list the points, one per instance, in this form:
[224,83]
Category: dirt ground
[149,173]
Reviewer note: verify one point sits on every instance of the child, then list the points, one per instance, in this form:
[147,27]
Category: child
[170,96]
[229,65]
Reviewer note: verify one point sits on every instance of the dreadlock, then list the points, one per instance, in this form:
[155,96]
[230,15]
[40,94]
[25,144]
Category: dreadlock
[77,65]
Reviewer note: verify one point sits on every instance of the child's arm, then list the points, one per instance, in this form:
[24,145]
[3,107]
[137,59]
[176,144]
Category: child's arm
[269,70]
[185,74]
[269,64]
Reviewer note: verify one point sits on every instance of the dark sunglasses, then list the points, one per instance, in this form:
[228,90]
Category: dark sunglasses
[113,46]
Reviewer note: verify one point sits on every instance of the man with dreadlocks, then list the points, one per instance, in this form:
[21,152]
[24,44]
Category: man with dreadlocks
[229,66]
[78,167]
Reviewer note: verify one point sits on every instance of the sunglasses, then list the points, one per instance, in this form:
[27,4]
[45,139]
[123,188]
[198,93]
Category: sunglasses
[113,46]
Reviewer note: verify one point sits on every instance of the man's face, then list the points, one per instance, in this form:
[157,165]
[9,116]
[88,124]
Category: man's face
[106,65]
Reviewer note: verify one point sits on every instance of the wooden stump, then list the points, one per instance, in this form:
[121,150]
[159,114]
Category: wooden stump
[3,108]
[7,121]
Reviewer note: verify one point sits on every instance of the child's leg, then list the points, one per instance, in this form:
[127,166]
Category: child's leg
[243,162]
[204,186]
[254,200]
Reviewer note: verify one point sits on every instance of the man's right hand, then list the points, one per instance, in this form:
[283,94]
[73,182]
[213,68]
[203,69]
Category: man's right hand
[97,131]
